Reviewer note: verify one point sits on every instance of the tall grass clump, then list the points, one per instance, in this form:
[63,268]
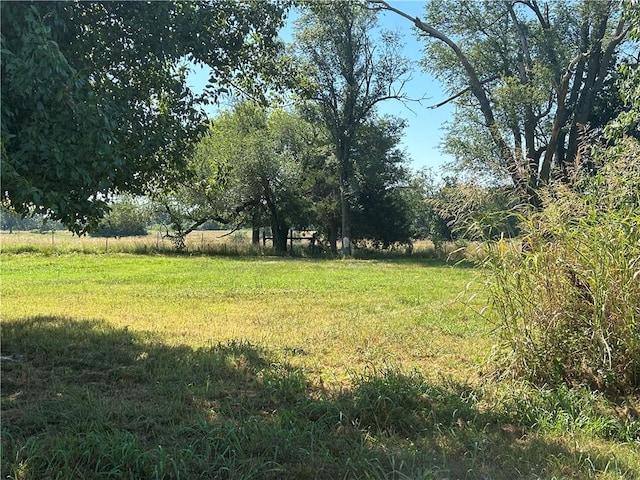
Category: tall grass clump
[567,297]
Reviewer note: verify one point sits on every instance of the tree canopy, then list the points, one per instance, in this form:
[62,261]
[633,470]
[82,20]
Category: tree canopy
[94,99]
[272,168]
[527,78]
[247,170]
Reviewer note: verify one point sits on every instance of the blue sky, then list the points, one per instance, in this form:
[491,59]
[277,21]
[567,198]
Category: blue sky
[424,131]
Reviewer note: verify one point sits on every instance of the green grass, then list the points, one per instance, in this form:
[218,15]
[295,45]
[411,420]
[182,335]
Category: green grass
[341,314]
[212,367]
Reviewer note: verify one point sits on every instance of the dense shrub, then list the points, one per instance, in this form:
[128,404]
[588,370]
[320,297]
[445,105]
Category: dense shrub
[567,298]
[125,219]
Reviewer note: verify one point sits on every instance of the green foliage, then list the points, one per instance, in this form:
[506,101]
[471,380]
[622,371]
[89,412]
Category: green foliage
[55,137]
[567,299]
[526,77]
[10,220]
[272,168]
[125,218]
[382,213]
[426,223]
[346,74]
[94,96]
[472,211]
[572,410]
[247,170]
[628,121]
[395,403]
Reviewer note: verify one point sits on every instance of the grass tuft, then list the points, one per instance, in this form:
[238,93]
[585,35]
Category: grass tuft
[567,299]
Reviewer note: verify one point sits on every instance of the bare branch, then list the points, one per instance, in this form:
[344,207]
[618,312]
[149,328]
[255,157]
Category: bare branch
[523,37]
[462,92]
[535,8]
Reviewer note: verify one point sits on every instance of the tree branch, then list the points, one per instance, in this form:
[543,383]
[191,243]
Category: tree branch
[475,85]
[462,92]
[523,39]
[533,5]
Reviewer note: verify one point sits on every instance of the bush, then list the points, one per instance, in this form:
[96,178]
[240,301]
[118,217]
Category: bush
[567,298]
[125,219]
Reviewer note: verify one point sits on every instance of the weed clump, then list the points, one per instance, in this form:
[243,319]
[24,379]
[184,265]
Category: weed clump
[567,298]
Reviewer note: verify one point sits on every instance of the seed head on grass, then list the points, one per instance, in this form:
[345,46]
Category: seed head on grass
[568,305]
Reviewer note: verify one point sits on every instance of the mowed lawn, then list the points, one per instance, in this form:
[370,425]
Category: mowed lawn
[168,367]
[332,316]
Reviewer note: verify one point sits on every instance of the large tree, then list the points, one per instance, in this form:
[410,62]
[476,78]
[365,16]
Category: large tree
[382,212]
[628,121]
[347,73]
[270,167]
[526,77]
[94,94]
[247,170]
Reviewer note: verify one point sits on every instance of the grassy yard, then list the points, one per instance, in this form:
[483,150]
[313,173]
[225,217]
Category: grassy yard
[164,366]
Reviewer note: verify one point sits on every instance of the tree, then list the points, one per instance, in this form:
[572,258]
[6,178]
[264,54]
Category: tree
[8,219]
[474,211]
[265,165]
[320,179]
[628,121]
[421,194]
[346,75]
[248,169]
[381,211]
[527,73]
[127,217]
[94,99]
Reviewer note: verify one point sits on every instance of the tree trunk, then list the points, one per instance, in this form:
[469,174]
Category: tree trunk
[345,231]
[577,87]
[333,236]
[280,235]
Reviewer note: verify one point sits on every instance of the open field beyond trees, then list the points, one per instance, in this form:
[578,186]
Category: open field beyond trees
[194,366]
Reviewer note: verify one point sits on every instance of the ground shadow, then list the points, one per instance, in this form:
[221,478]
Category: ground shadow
[85,400]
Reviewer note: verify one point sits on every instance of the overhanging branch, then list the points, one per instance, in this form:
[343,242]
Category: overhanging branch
[475,85]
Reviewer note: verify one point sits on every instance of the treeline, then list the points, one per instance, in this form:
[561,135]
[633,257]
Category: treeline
[426,208]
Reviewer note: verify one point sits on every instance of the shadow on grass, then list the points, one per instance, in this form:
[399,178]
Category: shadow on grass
[92,401]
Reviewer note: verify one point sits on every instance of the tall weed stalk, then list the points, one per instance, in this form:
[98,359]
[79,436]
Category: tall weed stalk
[567,296]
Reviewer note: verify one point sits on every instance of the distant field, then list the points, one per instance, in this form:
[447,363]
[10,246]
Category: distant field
[208,366]
[61,241]
[201,241]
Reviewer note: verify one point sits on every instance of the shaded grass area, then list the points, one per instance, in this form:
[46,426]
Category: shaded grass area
[93,401]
